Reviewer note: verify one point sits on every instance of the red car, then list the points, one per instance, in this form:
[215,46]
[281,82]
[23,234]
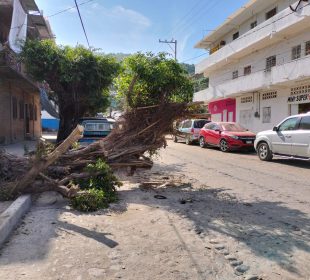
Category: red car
[227,136]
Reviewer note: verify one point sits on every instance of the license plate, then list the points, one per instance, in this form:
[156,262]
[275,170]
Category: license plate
[249,142]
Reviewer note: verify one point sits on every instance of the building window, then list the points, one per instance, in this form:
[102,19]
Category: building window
[14,105]
[271,61]
[296,52]
[236,35]
[271,13]
[269,95]
[247,70]
[253,24]
[235,74]
[30,112]
[21,110]
[247,99]
[35,113]
[307,48]
[267,115]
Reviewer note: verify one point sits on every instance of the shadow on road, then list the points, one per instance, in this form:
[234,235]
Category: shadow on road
[98,236]
[270,230]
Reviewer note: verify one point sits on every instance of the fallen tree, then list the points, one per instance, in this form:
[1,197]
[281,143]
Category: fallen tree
[136,137]
[156,91]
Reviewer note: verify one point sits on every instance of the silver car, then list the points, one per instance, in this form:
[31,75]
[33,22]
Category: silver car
[290,138]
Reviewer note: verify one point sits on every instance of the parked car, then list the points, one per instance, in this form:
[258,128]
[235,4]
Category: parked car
[188,130]
[227,136]
[95,129]
[290,138]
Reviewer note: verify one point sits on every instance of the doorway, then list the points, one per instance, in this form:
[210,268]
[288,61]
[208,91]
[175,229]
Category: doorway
[303,108]
[27,120]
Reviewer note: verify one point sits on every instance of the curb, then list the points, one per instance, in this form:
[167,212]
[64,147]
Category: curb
[10,218]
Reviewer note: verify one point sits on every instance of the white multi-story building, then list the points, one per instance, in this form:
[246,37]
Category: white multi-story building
[259,64]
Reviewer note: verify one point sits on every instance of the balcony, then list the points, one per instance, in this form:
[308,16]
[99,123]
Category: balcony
[282,25]
[278,76]
[12,69]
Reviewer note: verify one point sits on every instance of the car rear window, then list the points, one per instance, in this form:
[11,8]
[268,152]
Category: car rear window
[200,123]
[233,127]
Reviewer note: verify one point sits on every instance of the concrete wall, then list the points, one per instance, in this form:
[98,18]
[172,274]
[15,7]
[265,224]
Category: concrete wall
[260,17]
[14,129]
[251,114]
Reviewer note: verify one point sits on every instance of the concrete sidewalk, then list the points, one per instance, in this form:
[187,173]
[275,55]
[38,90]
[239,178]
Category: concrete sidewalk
[19,149]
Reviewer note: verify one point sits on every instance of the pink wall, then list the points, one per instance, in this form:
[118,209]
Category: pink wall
[219,107]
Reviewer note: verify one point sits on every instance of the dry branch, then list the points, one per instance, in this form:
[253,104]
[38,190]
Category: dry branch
[139,131]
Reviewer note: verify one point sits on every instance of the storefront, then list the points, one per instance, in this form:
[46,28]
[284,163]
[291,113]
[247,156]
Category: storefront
[223,110]
[299,99]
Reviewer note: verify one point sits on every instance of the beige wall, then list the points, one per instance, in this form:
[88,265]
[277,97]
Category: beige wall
[14,129]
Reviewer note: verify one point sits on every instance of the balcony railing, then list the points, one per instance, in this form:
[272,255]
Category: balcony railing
[263,35]
[279,75]
[9,61]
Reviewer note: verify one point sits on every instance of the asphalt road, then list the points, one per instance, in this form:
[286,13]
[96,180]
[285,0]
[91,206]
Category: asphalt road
[260,210]
[223,213]
[243,174]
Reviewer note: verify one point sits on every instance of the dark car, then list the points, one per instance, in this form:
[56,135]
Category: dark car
[95,129]
[227,136]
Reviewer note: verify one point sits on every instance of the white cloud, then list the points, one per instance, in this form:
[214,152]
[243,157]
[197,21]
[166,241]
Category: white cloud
[120,14]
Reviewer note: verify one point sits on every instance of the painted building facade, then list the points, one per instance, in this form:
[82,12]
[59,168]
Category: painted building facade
[20,109]
[259,57]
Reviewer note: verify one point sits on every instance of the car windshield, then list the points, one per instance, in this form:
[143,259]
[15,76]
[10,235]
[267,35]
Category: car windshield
[200,123]
[233,127]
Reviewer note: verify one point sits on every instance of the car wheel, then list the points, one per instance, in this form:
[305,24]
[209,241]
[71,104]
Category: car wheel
[224,146]
[264,152]
[202,142]
[188,141]
[175,139]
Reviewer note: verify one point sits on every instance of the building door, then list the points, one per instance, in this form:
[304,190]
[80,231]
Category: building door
[27,120]
[225,115]
[230,116]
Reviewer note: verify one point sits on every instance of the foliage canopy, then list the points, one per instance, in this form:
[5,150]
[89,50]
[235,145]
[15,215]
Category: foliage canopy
[78,77]
[148,79]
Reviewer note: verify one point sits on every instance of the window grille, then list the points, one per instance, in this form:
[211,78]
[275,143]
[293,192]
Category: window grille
[296,52]
[271,61]
[235,74]
[253,24]
[247,99]
[236,35]
[307,48]
[271,13]
[300,89]
[247,70]
[269,95]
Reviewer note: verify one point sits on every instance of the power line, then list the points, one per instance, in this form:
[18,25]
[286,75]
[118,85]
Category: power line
[81,20]
[194,57]
[70,8]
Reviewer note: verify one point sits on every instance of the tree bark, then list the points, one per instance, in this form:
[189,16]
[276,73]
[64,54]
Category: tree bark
[41,165]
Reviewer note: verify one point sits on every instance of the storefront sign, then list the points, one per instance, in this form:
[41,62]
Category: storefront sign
[299,98]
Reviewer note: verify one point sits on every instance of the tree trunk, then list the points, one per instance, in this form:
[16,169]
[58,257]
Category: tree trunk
[68,120]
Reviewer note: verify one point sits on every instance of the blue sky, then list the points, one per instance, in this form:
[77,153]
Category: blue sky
[129,26]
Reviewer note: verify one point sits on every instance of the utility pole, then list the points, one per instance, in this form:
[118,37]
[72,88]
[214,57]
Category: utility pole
[175,42]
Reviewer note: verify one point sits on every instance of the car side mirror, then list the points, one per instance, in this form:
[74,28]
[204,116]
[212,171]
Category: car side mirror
[218,130]
[275,128]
